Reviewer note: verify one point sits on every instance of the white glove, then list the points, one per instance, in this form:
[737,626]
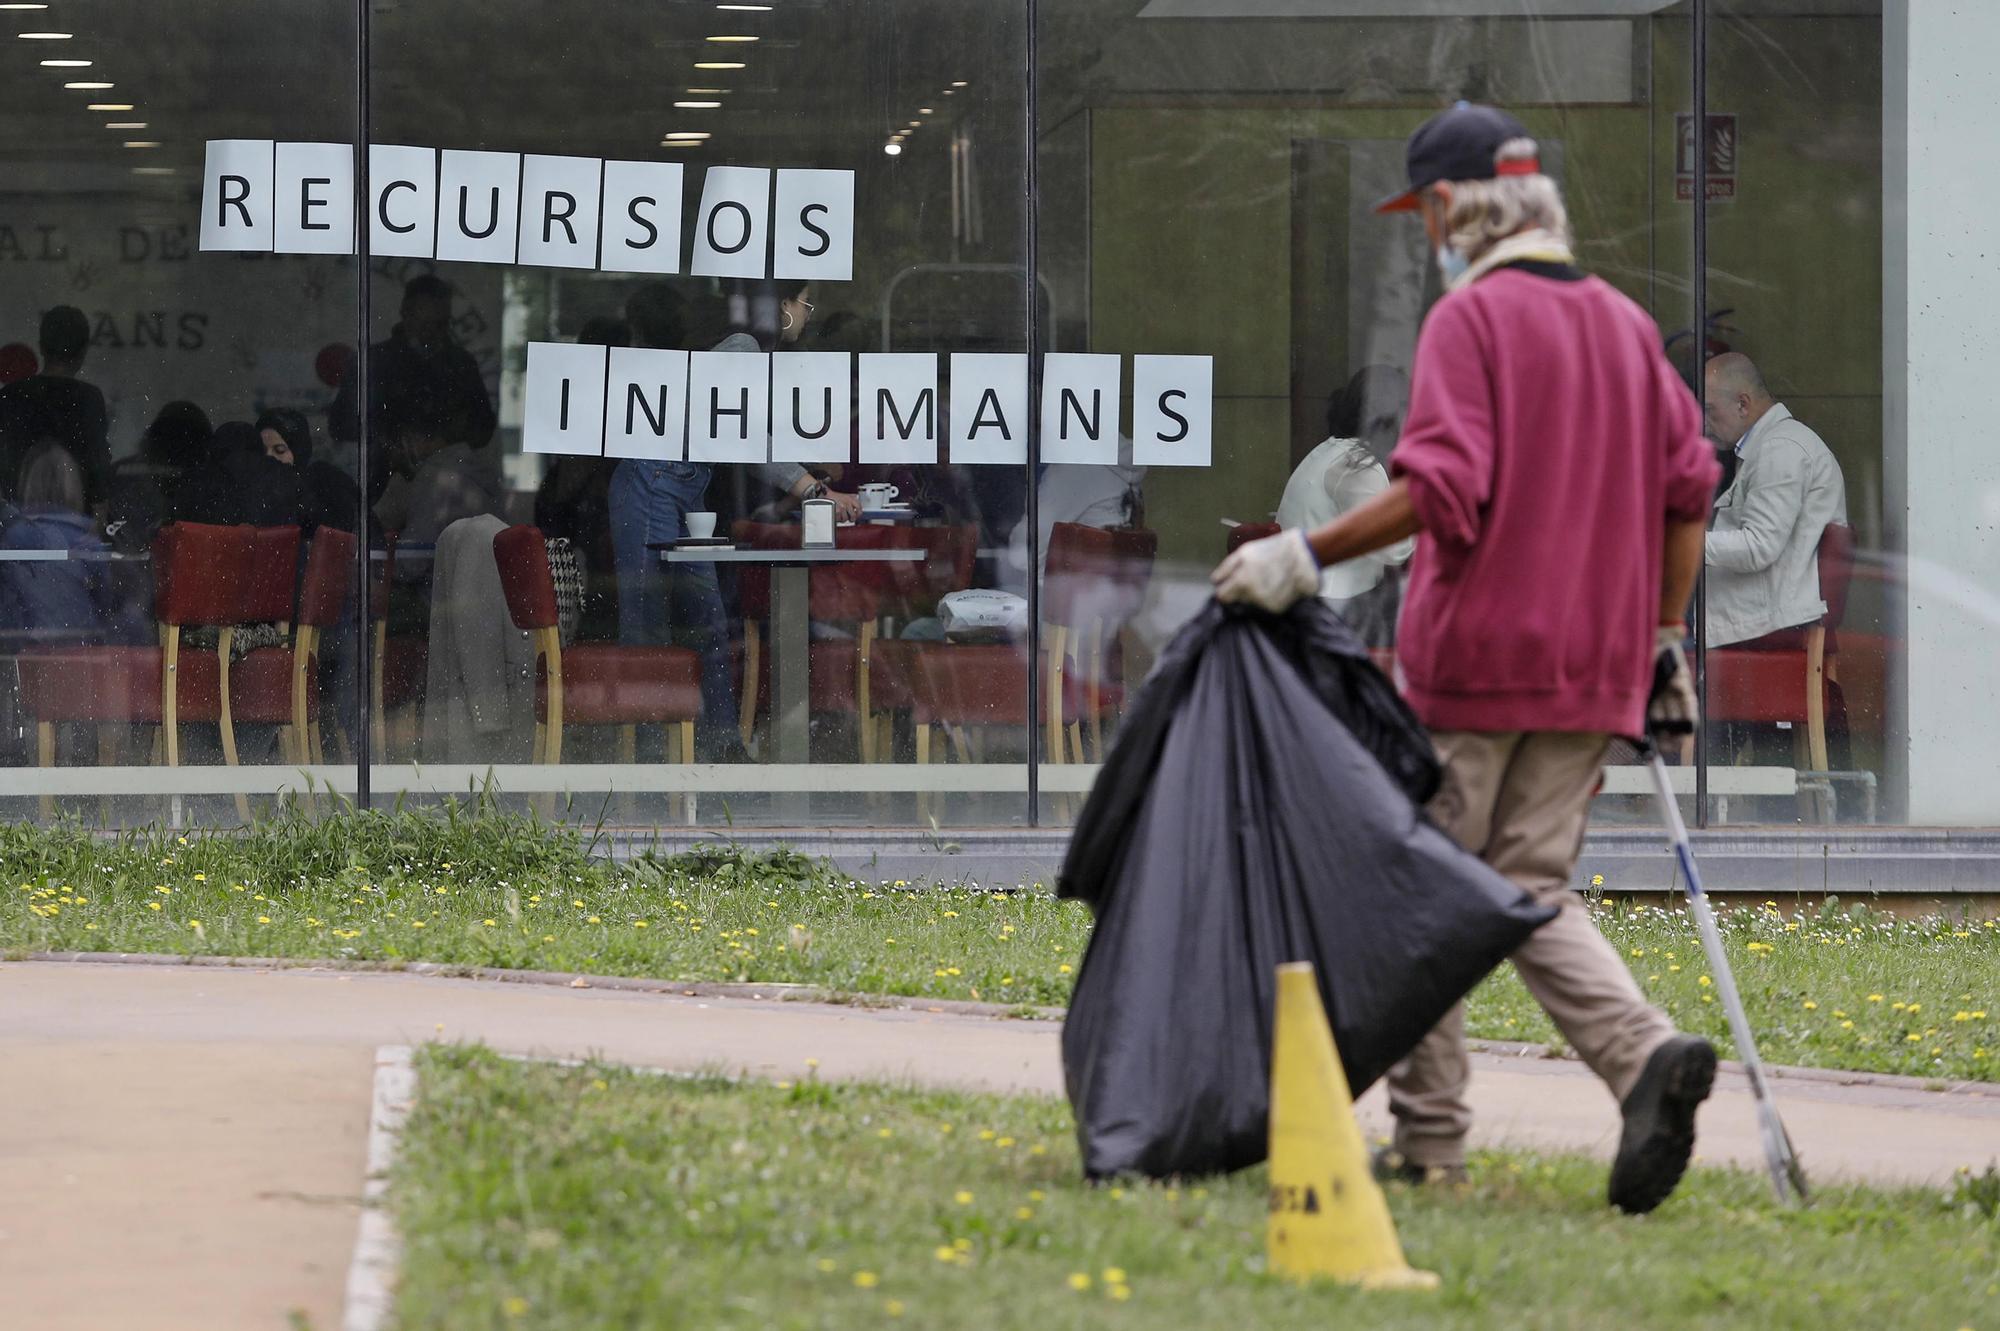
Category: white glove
[1272,573]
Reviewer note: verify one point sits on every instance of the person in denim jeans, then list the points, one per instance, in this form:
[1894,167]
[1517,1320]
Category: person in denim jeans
[649,503]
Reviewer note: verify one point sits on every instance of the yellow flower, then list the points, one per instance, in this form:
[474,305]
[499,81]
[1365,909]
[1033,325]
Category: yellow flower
[1706,982]
[894,1307]
[1597,880]
[1847,1025]
[515,1306]
[444,891]
[986,1134]
[1874,998]
[488,923]
[1916,1007]
[263,919]
[944,1252]
[1114,1275]
[1120,1292]
[163,891]
[962,1245]
[1004,1142]
[201,878]
[825,1264]
[1037,1195]
[1078,1281]
[1063,969]
[866,1280]
[884,1133]
[1914,1038]
[962,1197]
[1811,1006]
[152,905]
[1024,1213]
[638,924]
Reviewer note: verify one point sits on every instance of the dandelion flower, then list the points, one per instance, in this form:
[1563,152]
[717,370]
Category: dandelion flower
[894,1307]
[263,919]
[826,1264]
[1114,1275]
[1811,1006]
[1063,969]
[962,1197]
[1024,1213]
[944,1252]
[1120,1292]
[866,1280]
[1078,1281]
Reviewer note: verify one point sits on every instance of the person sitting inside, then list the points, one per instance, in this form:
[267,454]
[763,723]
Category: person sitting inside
[58,600]
[328,496]
[1342,472]
[1762,550]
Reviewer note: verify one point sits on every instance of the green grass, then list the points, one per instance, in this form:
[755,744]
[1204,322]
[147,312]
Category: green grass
[538,1196]
[1844,988]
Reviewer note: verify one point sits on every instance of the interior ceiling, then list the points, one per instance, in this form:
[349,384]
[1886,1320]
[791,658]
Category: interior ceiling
[827,82]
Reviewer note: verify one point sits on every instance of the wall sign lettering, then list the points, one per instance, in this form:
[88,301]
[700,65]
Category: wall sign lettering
[532,209]
[816,406]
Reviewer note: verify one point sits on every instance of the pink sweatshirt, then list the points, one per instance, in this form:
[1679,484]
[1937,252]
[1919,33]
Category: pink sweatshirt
[1547,443]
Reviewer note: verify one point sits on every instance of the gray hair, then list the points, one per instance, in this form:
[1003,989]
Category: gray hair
[1485,212]
[50,478]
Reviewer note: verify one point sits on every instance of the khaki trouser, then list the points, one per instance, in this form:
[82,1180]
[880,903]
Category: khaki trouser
[1519,801]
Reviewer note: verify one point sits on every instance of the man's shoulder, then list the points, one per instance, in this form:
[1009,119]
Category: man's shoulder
[1790,434]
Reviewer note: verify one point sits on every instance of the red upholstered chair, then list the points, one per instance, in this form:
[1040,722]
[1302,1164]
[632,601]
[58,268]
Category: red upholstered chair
[592,683]
[401,663]
[201,576]
[914,590]
[753,601]
[1785,676]
[1244,532]
[1093,581]
[851,595]
[280,685]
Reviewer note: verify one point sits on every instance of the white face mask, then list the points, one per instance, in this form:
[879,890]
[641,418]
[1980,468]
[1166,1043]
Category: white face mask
[1451,263]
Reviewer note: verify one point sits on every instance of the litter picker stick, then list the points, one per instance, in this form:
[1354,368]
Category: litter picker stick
[1787,1175]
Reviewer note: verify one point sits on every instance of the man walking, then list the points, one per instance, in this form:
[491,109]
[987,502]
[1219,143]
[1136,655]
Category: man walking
[1553,470]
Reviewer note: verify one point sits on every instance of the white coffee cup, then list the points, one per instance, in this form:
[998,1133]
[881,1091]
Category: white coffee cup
[877,495]
[700,526]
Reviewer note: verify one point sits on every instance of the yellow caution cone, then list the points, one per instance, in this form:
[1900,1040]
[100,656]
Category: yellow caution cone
[1327,1214]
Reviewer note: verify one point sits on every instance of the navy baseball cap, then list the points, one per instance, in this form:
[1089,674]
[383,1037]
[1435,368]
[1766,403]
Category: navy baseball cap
[1459,144]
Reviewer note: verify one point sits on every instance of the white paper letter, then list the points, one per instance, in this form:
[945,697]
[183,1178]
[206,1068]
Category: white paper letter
[564,407]
[1173,401]
[314,198]
[729,406]
[1080,407]
[812,406]
[479,198]
[645,404]
[642,217]
[236,195]
[899,406]
[989,408]
[814,228]
[559,211]
[733,229]
[402,217]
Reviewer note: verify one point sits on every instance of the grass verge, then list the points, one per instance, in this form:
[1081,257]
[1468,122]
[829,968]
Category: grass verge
[532,1195]
[1841,988]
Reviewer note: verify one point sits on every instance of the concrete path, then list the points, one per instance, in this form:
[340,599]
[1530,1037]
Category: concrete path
[184,1147]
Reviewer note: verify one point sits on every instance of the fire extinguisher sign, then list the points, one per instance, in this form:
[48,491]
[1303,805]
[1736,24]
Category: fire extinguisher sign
[1720,145]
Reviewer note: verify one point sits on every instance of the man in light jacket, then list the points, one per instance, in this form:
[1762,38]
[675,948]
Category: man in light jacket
[1762,552]
[1554,475]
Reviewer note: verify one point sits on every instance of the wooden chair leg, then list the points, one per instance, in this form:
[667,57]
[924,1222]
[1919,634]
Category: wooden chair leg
[746,707]
[1076,742]
[541,742]
[170,710]
[960,743]
[45,756]
[862,702]
[689,809]
[923,734]
[1058,649]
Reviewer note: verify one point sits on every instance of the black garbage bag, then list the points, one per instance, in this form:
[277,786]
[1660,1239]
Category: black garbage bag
[1262,804]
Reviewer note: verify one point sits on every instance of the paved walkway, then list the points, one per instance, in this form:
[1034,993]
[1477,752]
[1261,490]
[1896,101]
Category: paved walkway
[184,1147]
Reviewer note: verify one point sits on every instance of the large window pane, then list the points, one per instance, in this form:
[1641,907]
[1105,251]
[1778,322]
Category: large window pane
[164,397]
[1800,579]
[850,186]
[1207,176]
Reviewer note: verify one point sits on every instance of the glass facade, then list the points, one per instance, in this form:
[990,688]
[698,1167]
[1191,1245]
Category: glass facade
[821,413]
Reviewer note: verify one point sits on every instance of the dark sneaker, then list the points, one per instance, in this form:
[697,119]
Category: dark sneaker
[1392,1166]
[1659,1123]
